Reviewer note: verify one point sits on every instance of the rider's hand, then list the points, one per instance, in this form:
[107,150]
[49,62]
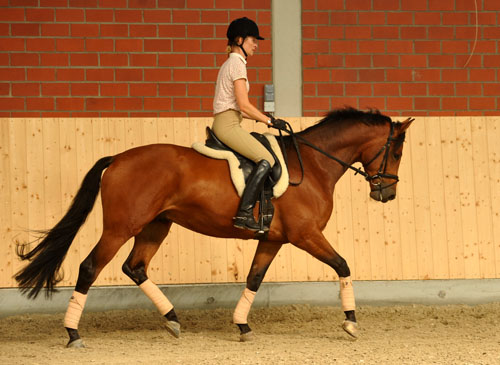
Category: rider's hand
[278,123]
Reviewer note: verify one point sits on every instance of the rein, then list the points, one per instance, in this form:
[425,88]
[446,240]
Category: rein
[381,172]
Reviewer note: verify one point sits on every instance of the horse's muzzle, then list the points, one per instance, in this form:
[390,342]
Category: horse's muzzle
[383,194]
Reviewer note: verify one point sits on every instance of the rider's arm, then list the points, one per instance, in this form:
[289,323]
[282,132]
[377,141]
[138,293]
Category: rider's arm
[246,107]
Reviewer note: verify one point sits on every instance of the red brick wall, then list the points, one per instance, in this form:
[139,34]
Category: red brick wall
[160,57]
[401,56]
[121,57]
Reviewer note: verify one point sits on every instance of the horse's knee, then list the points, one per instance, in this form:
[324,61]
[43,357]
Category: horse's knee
[86,275]
[137,274]
[341,268]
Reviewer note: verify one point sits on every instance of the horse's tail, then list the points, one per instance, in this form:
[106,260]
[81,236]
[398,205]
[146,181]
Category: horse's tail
[46,258]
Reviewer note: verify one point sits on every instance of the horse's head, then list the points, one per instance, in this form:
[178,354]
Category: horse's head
[381,159]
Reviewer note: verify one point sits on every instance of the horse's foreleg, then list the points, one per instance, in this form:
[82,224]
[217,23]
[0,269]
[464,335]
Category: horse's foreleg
[89,270]
[135,267]
[264,255]
[317,245]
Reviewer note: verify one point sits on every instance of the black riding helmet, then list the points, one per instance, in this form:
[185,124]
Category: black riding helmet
[242,27]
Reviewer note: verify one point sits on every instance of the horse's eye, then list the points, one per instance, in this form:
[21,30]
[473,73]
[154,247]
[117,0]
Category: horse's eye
[397,156]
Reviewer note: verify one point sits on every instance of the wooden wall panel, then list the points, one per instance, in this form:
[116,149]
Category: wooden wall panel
[444,224]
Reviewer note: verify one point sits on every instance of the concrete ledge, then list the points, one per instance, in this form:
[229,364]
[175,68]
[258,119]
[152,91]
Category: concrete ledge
[432,292]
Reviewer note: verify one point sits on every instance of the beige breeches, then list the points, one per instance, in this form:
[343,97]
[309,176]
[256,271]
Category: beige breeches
[227,128]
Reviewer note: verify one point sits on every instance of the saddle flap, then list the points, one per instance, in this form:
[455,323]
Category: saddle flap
[276,170]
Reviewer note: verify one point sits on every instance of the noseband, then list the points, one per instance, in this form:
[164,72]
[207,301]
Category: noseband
[375,180]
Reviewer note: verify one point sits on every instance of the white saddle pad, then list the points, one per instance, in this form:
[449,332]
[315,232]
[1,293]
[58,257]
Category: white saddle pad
[237,173]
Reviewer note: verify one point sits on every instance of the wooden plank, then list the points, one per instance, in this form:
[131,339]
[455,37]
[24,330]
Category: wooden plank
[392,241]
[406,211]
[6,236]
[69,186]
[451,186]
[436,199]
[493,133]
[18,189]
[421,201]
[52,171]
[35,175]
[467,198]
[376,229]
[480,155]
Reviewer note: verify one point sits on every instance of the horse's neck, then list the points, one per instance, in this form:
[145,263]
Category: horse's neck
[343,143]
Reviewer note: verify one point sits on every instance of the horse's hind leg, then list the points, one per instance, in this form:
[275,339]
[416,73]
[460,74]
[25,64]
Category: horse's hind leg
[90,268]
[264,255]
[135,267]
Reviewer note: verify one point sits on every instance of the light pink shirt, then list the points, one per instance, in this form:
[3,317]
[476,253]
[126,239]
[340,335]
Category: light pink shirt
[233,69]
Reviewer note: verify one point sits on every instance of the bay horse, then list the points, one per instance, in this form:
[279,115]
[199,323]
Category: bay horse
[146,189]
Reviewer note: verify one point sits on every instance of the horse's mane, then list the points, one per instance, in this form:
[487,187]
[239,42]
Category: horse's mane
[349,115]
[352,115]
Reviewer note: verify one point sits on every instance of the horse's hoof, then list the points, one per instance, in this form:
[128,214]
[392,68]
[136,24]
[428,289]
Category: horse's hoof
[76,344]
[351,328]
[174,328]
[245,337]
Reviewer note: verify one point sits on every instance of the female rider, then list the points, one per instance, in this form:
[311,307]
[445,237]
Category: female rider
[231,104]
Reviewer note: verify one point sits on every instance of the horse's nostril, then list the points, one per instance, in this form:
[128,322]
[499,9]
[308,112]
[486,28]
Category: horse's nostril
[391,197]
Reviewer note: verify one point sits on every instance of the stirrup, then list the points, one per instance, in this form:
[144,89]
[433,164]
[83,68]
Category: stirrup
[242,222]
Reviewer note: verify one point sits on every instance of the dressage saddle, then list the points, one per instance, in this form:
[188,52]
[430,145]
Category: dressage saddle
[266,209]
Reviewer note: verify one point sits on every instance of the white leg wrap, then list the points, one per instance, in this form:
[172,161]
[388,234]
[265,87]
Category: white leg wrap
[347,294]
[243,307]
[75,309]
[157,297]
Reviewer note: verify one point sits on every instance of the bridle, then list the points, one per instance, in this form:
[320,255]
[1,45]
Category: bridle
[375,180]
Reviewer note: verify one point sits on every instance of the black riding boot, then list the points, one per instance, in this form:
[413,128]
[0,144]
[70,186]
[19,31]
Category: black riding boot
[244,218]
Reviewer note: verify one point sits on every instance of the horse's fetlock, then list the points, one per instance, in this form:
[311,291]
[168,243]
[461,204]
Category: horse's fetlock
[171,316]
[244,328]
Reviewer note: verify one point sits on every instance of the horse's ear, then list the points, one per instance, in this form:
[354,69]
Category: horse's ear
[405,124]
